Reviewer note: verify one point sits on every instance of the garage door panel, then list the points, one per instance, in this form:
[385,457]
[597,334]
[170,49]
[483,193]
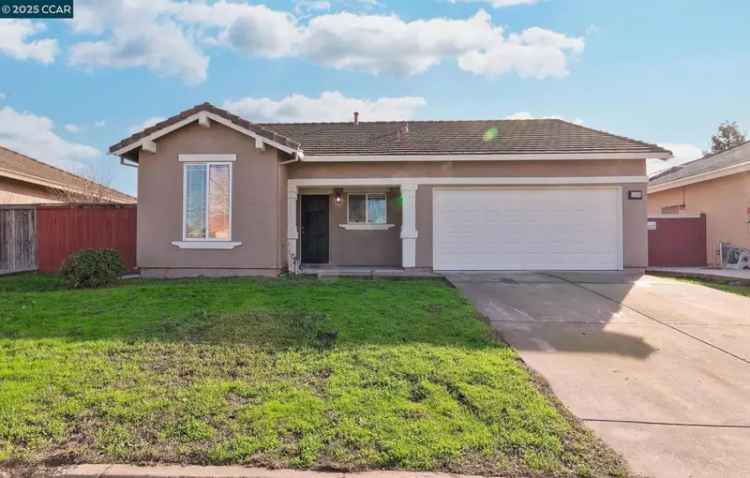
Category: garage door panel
[542,228]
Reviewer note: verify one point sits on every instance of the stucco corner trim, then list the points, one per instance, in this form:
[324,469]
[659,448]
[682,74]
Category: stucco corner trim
[366,227]
[206,245]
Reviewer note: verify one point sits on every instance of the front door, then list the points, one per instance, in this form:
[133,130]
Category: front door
[314,229]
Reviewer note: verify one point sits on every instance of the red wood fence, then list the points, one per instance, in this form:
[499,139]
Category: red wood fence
[62,230]
[677,241]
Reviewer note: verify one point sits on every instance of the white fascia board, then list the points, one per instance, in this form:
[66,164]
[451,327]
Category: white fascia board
[698,178]
[458,156]
[200,116]
[468,181]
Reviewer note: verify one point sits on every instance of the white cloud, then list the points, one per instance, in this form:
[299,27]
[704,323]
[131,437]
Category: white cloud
[305,7]
[100,124]
[525,115]
[533,53]
[15,42]
[72,128]
[501,3]
[35,136]
[145,124]
[330,106]
[168,38]
[142,34]
[683,152]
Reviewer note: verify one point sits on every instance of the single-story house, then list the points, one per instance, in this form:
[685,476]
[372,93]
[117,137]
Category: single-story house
[717,185]
[220,195]
[24,180]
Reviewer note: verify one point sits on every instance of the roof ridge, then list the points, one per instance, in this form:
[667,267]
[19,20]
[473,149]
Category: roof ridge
[68,173]
[313,123]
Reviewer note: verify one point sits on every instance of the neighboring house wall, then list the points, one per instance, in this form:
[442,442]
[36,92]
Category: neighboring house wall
[18,192]
[256,208]
[725,201]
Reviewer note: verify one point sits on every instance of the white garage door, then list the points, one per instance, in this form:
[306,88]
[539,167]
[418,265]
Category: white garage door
[528,229]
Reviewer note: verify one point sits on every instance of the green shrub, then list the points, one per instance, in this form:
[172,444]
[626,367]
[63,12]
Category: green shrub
[92,268]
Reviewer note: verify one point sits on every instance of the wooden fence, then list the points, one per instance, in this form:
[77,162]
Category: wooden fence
[17,239]
[62,230]
[678,241]
[41,237]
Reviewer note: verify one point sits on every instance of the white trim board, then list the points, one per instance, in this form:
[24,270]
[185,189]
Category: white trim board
[470,181]
[204,244]
[206,158]
[465,156]
[699,178]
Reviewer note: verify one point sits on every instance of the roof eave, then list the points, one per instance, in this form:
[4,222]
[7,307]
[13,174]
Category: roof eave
[201,116]
[699,178]
[466,156]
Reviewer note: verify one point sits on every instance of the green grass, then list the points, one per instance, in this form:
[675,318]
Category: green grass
[734,289]
[344,374]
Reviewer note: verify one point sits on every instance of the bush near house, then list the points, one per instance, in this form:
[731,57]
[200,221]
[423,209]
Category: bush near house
[345,374]
[92,268]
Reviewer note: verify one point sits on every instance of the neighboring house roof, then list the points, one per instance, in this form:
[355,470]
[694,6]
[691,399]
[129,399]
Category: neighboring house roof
[23,168]
[712,166]
[544,137]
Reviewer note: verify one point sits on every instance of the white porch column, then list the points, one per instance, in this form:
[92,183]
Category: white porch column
[291,229]
[408,225]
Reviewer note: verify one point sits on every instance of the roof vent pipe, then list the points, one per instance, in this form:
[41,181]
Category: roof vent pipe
[356,118]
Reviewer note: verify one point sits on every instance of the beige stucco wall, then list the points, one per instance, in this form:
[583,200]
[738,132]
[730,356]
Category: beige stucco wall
[724,201]
[468,169]
[635,234]
[17,192]
[259,203]
[256,206]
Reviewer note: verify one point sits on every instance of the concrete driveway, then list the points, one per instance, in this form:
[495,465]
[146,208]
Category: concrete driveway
[658,368]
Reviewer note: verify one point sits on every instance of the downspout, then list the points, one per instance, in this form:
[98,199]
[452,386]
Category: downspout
[298,156]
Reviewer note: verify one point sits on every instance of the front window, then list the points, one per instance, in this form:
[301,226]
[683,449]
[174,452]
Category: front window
[367,208]
[207,202]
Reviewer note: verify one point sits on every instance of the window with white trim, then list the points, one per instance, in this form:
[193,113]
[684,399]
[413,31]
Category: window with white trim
[207,202]
[367,208]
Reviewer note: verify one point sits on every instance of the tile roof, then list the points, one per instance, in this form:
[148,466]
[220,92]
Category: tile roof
[538,136]
[712,162]
[24,168]
[256,128]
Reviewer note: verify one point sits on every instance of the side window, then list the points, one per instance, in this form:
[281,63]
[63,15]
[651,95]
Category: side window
[207,202]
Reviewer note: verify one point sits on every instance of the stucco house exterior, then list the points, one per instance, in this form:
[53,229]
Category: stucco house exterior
[716,185]
[24,180]
[219,195]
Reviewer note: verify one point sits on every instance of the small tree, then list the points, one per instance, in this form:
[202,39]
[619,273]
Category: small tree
[728,136]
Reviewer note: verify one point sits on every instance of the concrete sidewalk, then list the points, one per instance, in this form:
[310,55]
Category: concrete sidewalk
[190,471]
[722,275]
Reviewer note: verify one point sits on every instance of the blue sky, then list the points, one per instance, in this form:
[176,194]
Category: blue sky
[666,72]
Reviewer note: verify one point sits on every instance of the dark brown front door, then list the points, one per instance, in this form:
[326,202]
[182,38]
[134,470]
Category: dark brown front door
[314,229]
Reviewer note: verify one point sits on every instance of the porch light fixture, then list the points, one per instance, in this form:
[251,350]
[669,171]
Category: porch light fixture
[338,193]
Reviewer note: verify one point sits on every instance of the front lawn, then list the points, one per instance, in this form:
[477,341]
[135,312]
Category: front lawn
[734,289]
[344,374]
